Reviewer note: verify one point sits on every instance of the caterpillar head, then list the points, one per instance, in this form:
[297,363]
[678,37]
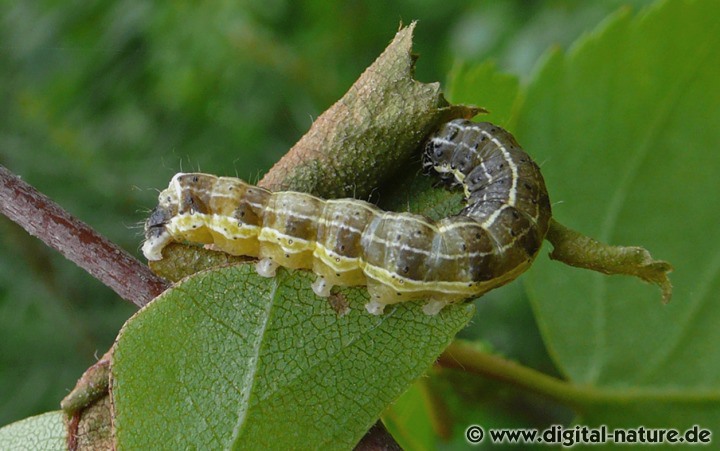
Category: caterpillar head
[156,233]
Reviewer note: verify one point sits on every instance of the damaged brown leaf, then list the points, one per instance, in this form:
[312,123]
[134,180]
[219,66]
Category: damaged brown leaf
[370,132]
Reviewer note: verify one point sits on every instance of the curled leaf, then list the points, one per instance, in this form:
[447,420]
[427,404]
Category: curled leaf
[576,249]
[92,385]
[370,132]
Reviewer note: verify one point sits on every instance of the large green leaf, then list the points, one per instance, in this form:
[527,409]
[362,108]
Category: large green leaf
[230,359]
[625,128]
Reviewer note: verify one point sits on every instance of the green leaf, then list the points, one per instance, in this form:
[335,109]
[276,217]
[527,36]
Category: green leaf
[230,359]
[624,128]
[38,433]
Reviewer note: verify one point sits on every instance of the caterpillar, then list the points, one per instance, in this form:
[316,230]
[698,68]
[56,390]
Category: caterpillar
[399,256]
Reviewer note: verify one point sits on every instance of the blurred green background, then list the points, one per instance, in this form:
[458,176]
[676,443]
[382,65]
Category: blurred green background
[103,101]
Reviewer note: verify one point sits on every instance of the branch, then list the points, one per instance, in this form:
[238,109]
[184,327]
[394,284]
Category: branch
[466,356]
[78,242]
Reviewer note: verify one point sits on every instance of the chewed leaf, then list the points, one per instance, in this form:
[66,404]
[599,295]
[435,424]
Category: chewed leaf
[365,136]
[576,249]
[265,361]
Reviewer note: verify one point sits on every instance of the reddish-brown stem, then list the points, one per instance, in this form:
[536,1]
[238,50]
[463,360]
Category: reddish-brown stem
[78,242]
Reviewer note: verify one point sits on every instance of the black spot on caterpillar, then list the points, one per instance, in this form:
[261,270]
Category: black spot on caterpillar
[399,256]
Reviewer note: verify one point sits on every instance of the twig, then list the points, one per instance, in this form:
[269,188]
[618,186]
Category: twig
[78,242]
[466,357]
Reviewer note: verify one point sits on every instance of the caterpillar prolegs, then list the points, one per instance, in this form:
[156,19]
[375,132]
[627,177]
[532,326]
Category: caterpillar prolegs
[399,256]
